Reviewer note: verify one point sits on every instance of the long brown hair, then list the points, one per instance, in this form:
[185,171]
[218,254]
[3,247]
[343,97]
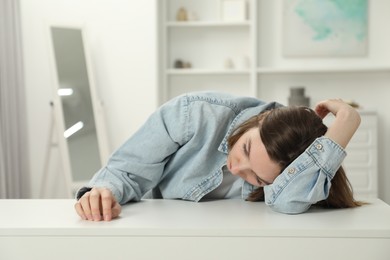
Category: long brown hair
[286,133]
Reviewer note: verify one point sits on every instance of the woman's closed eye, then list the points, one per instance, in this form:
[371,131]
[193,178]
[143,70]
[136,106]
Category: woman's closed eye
[246,148]
[260,181]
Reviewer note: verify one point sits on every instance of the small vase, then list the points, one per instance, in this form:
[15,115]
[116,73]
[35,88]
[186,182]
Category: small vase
[182,15]
[297,97]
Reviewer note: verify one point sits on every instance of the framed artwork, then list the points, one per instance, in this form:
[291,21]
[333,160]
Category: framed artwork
[327,28]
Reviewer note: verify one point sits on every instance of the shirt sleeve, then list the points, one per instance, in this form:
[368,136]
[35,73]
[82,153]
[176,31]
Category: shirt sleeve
[307,179]
[138,165]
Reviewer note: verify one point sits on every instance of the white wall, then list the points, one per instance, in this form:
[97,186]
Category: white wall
[122,41]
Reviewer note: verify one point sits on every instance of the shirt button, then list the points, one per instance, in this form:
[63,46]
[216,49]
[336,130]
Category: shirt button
[319,146]
[291,170]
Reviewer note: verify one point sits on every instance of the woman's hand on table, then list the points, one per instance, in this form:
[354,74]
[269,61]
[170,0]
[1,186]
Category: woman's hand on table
[98,204]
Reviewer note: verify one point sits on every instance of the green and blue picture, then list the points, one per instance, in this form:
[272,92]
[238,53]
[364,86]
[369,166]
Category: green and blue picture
[325,27]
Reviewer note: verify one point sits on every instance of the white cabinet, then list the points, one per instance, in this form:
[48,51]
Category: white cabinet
[361,163]
[244,57]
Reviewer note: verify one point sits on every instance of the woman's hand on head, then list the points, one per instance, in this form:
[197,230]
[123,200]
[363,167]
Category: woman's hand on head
[325,107]
[346,123]
[98,204]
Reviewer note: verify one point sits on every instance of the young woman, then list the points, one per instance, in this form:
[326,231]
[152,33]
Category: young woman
[205,146]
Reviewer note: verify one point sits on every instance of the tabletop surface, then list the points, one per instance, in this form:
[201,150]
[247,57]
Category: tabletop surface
[182,218]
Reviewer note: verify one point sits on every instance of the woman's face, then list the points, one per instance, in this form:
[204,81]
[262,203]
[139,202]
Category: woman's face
[249,160]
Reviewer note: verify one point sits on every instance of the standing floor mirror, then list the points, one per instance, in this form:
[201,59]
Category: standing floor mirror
[78,114]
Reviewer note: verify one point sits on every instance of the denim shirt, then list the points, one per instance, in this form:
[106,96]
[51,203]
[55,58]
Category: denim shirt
[180,150]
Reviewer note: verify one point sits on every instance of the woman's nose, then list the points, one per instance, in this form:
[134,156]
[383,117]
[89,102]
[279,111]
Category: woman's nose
[239,167]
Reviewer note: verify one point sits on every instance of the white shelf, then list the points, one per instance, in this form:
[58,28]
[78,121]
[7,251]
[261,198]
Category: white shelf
[207,72]
[207,24]
[336,69]
[295,70]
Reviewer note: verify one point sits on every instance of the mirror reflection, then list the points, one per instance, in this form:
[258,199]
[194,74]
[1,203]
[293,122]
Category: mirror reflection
[74,91]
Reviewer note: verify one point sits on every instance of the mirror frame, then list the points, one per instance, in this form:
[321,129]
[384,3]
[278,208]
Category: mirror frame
[59,118]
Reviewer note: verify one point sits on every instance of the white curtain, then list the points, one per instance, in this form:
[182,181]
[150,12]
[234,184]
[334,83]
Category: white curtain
[14,175]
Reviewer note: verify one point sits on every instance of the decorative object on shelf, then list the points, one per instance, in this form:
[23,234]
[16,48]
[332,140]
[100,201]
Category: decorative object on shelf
[192,16]
[229,64]
[187,65]
[182,14]
[297,97]
[325,28]
[179,64]
[233,10]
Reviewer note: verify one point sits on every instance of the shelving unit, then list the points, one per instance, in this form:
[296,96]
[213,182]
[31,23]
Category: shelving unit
[208,41]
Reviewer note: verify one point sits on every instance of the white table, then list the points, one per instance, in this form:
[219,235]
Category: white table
[174,229]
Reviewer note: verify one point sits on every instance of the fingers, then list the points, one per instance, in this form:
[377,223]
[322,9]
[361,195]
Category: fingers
[107,203]
[116,210]
[85,207]
[80,211]
[321,109]
[98,204]
[94,202]
[329,106]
